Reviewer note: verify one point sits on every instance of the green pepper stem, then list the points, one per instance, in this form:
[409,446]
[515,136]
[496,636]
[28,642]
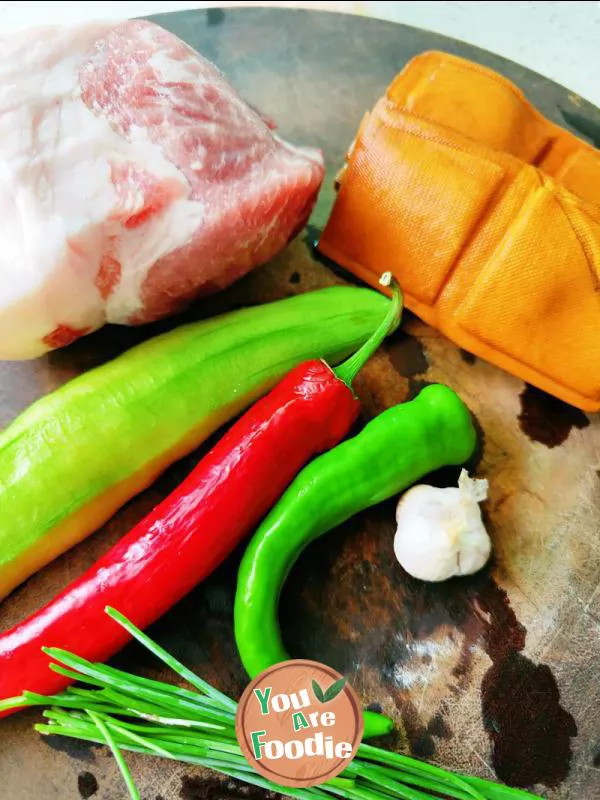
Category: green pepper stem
[349,369]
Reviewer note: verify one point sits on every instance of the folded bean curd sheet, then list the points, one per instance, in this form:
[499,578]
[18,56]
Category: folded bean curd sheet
[489,216]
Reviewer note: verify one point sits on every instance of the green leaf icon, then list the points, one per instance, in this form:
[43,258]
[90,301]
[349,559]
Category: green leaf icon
[318,692]
[334,690]
[331,693]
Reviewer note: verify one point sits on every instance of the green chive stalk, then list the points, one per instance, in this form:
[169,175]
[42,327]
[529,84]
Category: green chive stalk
[126,712]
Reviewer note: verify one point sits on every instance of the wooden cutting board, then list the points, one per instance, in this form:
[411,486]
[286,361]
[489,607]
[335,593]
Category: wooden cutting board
[501,670]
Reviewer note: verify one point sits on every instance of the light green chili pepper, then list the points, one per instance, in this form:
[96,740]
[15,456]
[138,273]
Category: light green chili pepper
[74,457]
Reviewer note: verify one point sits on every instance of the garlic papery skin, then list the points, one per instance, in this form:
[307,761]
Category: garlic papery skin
[440,532]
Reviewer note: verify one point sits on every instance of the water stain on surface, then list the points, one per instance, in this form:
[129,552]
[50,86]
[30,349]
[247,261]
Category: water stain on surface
[406,354]
[422,742]
[211,789]
[422,737]
[502,632]
[520,701]
[583,125]
[529,730]
[215,16]
[79,750]
[87,785]
[439,727]
[547,420]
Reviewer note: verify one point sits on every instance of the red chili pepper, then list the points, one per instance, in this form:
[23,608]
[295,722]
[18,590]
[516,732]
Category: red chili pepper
[193,530]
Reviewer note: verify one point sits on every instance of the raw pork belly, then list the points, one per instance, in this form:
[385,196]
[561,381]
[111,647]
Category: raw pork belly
[133,180]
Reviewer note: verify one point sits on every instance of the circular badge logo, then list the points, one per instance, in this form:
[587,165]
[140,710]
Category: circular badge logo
[299,723]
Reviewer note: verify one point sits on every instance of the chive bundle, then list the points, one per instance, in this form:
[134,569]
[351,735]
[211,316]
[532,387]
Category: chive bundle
[128,712]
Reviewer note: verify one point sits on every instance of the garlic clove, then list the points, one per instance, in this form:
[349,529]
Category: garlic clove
[440,532]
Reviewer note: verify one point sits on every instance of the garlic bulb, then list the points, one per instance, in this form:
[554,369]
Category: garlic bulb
[440,532]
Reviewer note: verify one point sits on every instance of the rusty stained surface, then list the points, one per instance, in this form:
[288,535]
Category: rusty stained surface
[499,671]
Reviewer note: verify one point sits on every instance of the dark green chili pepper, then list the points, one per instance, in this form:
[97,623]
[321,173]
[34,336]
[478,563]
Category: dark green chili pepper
[393,451]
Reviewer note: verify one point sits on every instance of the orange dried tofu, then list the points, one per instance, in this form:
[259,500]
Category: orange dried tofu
[489,216]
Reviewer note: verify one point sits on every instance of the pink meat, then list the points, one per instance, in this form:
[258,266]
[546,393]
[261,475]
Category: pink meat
[142,182]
